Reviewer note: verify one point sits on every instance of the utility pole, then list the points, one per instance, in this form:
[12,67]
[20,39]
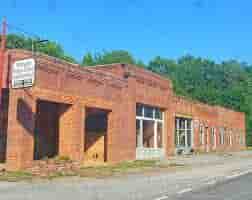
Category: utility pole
[3,37]
[2,54]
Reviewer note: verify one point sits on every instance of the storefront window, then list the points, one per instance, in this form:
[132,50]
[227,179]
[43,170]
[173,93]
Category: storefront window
[149,127]
[202,138]
[222,136]
[138,133]
[148,112]
[160,135]
[148,134]
[139,110]
[183,132]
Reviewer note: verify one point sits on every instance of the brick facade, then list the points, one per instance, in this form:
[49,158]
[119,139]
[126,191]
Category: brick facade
[115,88]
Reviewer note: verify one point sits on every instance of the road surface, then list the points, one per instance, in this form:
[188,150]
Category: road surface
[199,171]
[236,189]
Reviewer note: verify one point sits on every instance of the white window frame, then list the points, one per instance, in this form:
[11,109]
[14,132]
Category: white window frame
[222,136]
[213,137]
[156,121]
[177,129]
[231,138]
[202,134]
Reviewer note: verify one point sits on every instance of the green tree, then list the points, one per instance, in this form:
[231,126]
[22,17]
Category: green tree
[88,60]
[50,48]
[108,57]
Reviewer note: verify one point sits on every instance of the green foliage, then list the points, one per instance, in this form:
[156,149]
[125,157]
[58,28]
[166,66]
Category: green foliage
[50,48]
[227,84]
[109,57]
[88,60]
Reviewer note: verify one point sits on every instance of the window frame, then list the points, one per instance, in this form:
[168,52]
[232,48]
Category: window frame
[186,131]
[156,121]
[202,134]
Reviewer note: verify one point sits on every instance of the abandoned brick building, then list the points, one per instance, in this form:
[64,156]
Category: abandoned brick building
[105,113]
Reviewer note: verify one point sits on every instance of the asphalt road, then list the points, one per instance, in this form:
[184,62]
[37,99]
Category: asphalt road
[199,171]
[237,189]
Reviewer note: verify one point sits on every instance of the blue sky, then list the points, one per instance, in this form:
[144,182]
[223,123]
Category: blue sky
[216,29]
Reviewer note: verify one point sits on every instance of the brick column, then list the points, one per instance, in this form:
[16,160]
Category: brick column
[169,132]
[71,131]
[208,139]
[196,135]
[121,134]
[20,133]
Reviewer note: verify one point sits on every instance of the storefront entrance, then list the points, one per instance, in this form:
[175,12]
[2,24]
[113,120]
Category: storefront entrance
[149,132]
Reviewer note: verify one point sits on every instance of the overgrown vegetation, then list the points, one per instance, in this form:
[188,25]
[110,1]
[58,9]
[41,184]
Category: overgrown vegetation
[102,171]
[228,83]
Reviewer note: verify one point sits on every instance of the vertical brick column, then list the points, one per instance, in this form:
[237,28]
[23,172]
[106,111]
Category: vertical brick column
[121,134]
[208,139]
[169,131]
[196,135]
[71,131]
[21,127]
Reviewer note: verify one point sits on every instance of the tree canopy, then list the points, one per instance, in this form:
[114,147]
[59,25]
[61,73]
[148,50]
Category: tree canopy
[50,48]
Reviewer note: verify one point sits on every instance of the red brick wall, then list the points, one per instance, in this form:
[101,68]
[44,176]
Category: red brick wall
[212,116]
[76,89]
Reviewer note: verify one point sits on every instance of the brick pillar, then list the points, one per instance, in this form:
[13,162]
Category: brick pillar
[208,139]
[71,131]
[121,134]
[20,133]
[169,127]
[196,135]
[112,135]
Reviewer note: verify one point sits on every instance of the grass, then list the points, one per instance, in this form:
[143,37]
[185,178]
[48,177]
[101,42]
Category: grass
[16,176]
[138,166]
[102,171]
[249,148]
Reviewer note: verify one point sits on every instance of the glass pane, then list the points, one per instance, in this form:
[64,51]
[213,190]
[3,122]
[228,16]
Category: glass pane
[201,134]
[138,135]
[160,135]
[158,114]
[148,134]
[182,138]
[177,123]
[212,136]
[148,111]
[139,110]
[189,123]
[189,138]
[182,123]
[176,137]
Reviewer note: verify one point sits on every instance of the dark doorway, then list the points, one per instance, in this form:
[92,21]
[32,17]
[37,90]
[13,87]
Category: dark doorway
[4,108]
[96,135]
[46,139]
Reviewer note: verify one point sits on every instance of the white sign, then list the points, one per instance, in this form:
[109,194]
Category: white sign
[23,73]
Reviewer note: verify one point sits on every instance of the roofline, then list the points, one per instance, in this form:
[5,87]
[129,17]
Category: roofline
[51,58]
[195,101]
[132,66]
